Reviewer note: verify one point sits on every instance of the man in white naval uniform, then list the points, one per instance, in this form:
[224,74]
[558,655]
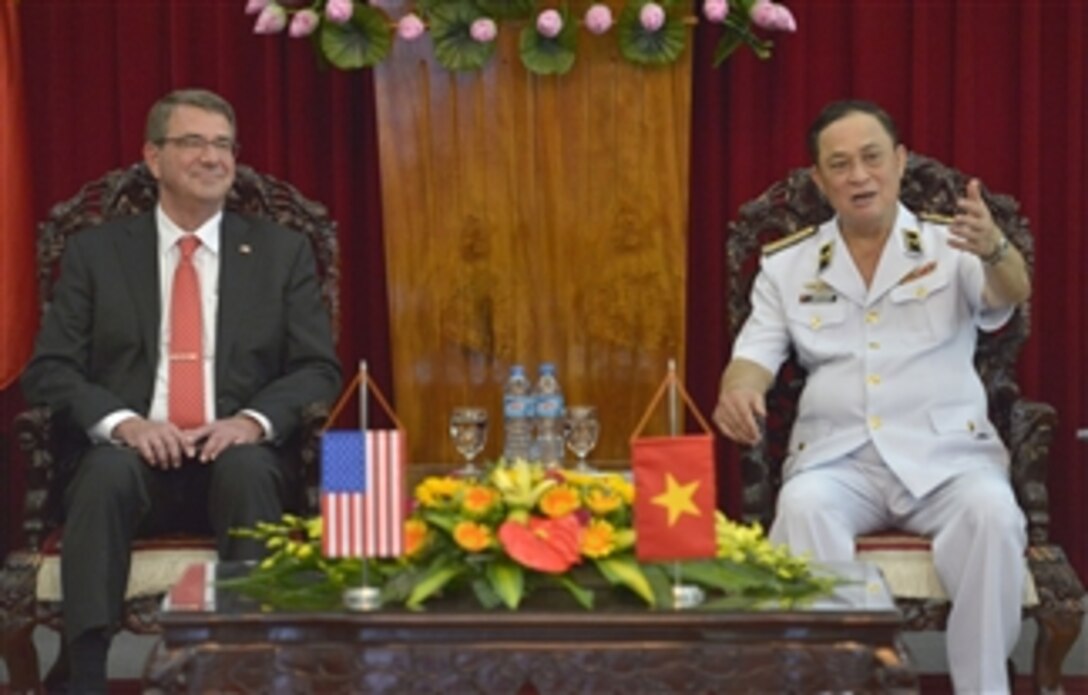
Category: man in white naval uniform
[882,309]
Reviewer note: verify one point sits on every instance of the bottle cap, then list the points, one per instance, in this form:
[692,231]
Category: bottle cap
[547,368]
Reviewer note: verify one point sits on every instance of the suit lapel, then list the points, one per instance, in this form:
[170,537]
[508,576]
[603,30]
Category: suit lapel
[139,252]
[236,267]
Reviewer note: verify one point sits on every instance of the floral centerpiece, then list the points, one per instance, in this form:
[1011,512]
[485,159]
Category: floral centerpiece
[513,531]
[351,34]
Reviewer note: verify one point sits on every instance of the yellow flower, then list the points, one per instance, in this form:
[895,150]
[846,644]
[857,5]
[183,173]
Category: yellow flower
[622,486]
[478,500]
[520,483]
[603,500]
[438,492]
[560,501]
[415,536]
[472,536]
[599,539]
[579,479]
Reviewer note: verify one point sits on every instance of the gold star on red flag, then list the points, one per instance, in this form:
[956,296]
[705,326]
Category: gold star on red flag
[678,499]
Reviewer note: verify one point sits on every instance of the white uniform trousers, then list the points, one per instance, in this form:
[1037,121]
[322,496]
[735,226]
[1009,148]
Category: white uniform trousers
[978,536]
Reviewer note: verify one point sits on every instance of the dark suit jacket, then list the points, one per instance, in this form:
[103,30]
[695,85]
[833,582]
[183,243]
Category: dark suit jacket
[99,343]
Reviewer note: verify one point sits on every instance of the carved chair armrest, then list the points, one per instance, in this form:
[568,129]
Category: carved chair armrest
[314,417]
[759,485]
[1031,432]
[34,434]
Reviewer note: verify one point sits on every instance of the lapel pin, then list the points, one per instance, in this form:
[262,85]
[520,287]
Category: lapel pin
[244,249]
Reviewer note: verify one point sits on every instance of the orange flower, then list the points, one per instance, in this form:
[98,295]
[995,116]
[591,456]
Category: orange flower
[472,536]
[545,545]
[415,536]
[599,539]
[479,500]
[560,501]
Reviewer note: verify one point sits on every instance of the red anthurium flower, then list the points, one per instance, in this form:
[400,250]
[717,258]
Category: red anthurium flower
[545,545]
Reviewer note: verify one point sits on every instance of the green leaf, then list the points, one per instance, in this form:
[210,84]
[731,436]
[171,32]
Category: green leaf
[738,31]
[624,570]
[730,41]
[507,579]
[644,47]
[486,596]
[582,595]
[362,42]
[727,575]
[454,47]
[506,9]
[443,520]
[433,580]
[549,56]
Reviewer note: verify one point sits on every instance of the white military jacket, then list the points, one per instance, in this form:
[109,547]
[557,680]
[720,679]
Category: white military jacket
[892,363]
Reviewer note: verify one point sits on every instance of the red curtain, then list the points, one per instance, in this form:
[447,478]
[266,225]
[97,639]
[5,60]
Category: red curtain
[18,305]
[995,88]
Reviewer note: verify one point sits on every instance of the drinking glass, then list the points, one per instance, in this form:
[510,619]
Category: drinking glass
[582,429]
[468,429]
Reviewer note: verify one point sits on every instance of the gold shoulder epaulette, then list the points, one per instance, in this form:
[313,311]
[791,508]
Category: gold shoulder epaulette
[934,217]
[788,241]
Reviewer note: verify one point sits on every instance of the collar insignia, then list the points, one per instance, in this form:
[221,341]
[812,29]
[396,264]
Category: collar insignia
[913,241]
[825,256]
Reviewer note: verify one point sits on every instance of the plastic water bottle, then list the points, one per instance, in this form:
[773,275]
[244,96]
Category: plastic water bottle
[548,398]
[517,411]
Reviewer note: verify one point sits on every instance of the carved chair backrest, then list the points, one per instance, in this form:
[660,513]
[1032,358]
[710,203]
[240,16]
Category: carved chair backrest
[795,203]
[134,190]
[130,191]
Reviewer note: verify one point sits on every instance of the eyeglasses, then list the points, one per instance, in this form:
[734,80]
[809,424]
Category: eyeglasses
[193,144]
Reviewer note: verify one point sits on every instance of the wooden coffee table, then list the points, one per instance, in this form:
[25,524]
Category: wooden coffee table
[215,640]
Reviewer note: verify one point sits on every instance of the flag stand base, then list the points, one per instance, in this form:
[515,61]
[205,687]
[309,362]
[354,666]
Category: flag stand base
[363,598]
[687,596]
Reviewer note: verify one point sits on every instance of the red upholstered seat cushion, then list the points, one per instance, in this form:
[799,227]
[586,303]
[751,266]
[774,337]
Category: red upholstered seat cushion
[157,564]
[892,539]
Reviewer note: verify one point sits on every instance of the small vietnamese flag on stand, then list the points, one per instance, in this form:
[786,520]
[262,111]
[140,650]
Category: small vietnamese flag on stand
[675,491]
[675,499]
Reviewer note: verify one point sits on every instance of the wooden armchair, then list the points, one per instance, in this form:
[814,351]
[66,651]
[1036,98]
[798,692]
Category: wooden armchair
[1027,428]
[30,579]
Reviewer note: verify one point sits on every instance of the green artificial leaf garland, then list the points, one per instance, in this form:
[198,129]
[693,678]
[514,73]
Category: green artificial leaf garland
[454,47]
[362,42]
[644,47]
[549,56]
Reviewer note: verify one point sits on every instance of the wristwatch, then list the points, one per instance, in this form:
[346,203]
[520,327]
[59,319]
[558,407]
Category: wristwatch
[995,256]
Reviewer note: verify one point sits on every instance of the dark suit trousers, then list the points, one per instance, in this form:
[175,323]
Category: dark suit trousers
[115,497]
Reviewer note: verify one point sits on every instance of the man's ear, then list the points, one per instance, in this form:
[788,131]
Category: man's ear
[814,174]
[901,156]
[151,158]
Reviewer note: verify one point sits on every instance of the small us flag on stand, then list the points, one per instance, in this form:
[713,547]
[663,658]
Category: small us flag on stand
[362,493]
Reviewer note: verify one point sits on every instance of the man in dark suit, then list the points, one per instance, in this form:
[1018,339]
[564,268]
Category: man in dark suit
[184,343]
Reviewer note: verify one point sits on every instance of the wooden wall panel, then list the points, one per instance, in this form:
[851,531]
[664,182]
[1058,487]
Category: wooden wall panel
[532,219]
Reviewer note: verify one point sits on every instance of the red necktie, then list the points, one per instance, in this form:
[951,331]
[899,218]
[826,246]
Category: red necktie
[186,380]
